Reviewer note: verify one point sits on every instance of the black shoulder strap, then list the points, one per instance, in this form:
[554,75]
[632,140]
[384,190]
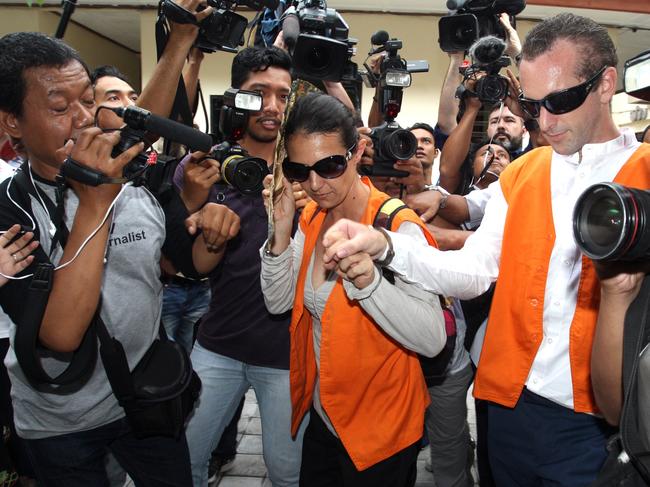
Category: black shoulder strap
[115,364]
[636,336]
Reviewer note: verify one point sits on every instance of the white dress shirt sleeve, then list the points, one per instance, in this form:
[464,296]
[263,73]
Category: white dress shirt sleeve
[464,273]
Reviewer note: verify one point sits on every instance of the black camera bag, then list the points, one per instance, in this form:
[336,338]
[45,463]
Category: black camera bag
[159,394]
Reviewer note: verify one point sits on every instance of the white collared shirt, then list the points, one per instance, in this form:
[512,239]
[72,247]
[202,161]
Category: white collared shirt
[468,272]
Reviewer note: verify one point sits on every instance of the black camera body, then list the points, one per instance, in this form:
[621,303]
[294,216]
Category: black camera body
[223,29]
[473,19]
[317,37]
[238,169]
[611,222]
[487,55]
[390,141]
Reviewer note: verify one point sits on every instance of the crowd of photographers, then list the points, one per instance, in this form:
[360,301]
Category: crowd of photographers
[326,263]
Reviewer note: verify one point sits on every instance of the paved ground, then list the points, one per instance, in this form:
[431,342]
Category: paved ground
[248,469]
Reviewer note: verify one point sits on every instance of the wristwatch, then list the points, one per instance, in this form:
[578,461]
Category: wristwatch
[385,262]
[442,191]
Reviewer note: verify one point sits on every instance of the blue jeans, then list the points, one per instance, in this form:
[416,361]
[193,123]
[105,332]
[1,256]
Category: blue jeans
[77,459]
[183,306]
[225,381]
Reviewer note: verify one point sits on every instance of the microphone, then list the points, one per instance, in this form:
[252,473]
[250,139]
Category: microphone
[379,38]
[456,4]
[141,119]
[290,27]
[487,50]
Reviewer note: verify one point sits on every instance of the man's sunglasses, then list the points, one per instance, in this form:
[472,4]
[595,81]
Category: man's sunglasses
[329,167]
[563,101]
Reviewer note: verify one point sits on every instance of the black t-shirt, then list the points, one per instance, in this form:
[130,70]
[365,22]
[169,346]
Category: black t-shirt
[238,324]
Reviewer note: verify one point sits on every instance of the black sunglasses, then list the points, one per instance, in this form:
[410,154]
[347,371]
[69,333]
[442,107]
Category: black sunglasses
[330,167]
[563,101]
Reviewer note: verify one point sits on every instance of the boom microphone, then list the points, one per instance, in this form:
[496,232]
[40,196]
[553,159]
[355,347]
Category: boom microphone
[141,119]
[379,38]
[456,4]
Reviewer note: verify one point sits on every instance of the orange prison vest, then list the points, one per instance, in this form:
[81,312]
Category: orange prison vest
[514,331]
[371,387]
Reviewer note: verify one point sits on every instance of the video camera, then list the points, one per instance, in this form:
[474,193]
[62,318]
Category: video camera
[390,141]
[223,29]
[317,38]
[487,56]
[473,19]
[238,169]
[139,122]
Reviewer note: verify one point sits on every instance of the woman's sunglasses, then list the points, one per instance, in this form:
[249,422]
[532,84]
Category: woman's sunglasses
[563,101]
[329,167]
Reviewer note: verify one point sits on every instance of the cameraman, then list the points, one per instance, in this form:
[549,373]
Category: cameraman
[46,101]
[534,368]
[239,343]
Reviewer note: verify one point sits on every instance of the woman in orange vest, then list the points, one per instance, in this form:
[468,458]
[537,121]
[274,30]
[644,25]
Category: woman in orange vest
[354,332]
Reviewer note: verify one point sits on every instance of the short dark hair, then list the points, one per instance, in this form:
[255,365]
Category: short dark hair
[424,126]
[21,51]
[107,70]
[318,113]
[591,39]
[254,59]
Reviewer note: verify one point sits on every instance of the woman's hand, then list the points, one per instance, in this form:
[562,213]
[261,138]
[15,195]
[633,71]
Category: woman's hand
[284,209]
[15,257]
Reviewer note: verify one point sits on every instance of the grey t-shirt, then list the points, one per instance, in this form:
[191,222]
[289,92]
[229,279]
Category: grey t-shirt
[131,304]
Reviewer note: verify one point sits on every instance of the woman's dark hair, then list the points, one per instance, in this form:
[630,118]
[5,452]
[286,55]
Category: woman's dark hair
[21,51]
[254,59]
[318,113]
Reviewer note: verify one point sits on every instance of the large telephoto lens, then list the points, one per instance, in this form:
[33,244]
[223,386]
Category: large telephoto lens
[245,174]
[610,222]
[399,144]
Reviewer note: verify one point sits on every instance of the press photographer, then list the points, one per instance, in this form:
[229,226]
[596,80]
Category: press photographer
[390,142]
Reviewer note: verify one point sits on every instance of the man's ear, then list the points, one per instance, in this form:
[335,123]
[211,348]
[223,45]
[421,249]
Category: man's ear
[9,123]
[607,85]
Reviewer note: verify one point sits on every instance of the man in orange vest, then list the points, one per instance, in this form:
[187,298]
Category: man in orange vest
[544,425]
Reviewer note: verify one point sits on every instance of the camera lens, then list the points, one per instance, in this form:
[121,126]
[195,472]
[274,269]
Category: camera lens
[400,144]
[245,174]
[319,59]
[492,88]
[609,222]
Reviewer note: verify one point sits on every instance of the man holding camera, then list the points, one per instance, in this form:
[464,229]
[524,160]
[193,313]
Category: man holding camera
[46,101]
[239,343]
[534,370]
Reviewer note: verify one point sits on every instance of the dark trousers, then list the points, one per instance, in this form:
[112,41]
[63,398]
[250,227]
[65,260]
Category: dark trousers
[325,463]
[77,459]
[539,443]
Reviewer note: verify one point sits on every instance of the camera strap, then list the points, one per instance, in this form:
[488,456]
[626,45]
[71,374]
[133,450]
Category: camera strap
[26,341]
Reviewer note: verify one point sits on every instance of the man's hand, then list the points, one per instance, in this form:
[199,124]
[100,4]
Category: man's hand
[513,43]
[15,257]
[426,204]
[514,90]
[359,269]
[218,224]
[368,151]
[279,42]
[199,174]
[346,238]
[188,32]
[93,149]
[414,182]
[621,280]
